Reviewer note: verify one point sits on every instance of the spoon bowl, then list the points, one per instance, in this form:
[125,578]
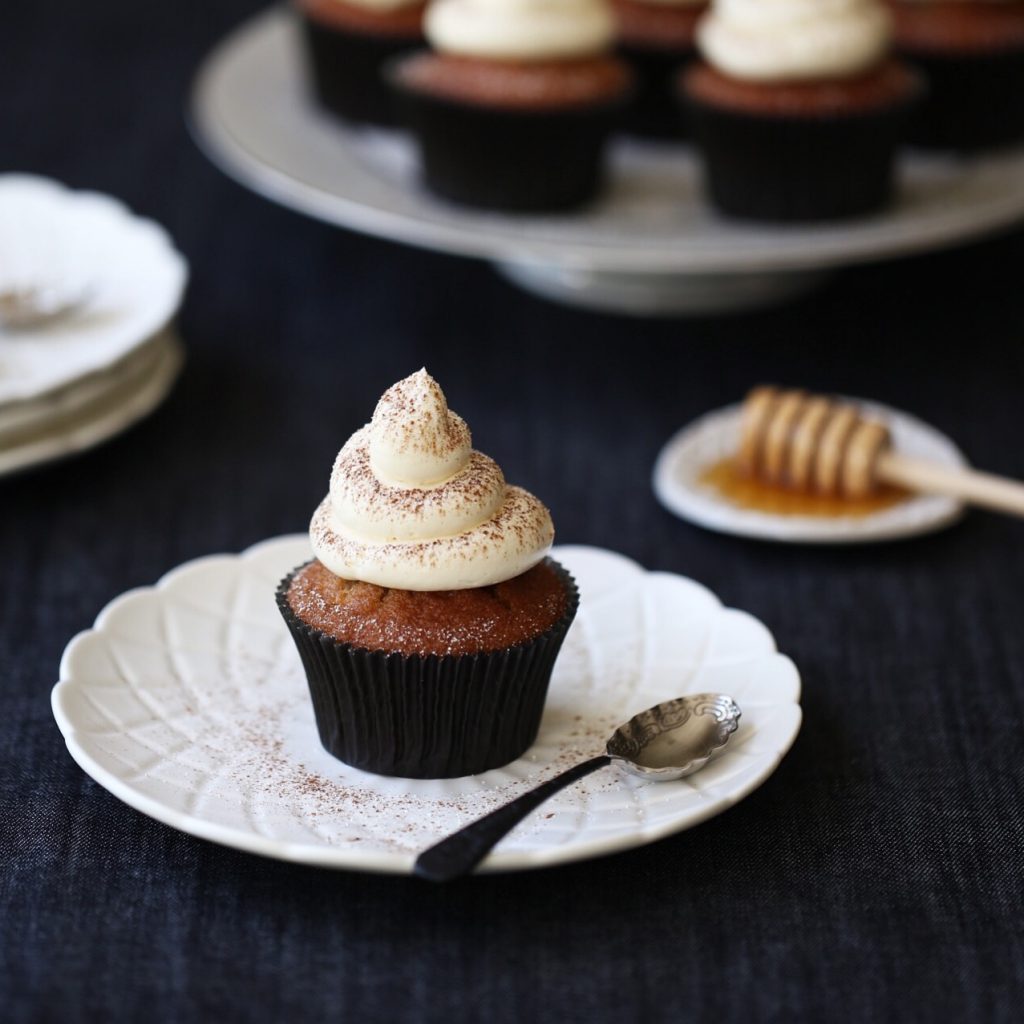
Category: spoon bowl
[675,738]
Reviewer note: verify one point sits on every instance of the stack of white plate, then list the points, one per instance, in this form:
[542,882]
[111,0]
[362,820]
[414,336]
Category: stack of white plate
[101,353]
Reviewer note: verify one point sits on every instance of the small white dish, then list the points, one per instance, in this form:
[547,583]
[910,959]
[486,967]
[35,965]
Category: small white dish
[128,273]
[715,436]
[69,422]
[187,701]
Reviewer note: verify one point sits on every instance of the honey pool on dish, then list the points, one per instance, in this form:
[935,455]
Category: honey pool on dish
[737,488]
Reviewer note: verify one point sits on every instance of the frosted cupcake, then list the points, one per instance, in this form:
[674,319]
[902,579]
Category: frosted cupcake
[657,38]
[972,55]
[429,621]
[348,42]
[797,107]
[514,104]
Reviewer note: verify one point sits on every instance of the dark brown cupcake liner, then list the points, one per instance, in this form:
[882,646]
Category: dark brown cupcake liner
[779,168]
[654,112]
[345,70]
[974,101]
[497,158]
[427,716]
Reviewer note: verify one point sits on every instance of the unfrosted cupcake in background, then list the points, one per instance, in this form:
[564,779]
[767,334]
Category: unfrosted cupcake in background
[657,37]
[514,104]
[797,107]
[429,622]
[348,42]
[972,55]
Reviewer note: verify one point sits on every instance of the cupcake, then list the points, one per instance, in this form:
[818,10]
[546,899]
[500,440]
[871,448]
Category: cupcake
[972,55]
[797,107]
[514,104]
[657,39]
[429,621]
[348,41]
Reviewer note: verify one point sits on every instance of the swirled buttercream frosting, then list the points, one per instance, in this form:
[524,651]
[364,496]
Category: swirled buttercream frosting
[784,40]
[520,29]
[414,507]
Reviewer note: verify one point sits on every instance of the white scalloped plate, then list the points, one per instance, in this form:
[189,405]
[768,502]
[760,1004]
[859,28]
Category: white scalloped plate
[132,276]
[187,701]
[716,436]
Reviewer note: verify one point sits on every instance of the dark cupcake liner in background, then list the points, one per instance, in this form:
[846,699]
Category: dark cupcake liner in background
[797,168]
[496,158]
[974,102]
[345,70]
[427,716]
[654,112]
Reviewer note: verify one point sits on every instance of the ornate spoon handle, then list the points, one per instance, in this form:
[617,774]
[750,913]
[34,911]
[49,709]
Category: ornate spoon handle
[463,850]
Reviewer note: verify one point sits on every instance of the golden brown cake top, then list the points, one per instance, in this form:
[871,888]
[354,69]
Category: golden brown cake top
[517,85]
[884,86]
[429,622]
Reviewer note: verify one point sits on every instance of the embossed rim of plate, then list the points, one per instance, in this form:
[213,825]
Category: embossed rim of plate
[715,436]
[250,113]
[112,413]
[779,716]
[32,414]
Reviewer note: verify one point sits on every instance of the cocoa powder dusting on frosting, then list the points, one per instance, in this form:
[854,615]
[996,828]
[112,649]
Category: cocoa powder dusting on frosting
[413,506]
[399,409]
[480,479]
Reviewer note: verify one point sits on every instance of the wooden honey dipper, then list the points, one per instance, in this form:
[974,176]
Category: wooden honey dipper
[808,443]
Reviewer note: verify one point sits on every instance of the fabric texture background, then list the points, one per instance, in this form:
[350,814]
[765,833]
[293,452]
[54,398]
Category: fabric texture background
[878,875]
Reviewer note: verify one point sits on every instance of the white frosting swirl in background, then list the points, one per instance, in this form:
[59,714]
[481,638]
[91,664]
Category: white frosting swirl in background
[778,40]
[520,29]
[412,506]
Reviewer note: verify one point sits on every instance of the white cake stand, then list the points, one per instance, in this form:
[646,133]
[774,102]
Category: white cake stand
[651,245]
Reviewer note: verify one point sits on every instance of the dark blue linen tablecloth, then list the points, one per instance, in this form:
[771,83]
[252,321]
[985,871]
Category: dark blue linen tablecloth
[879,875]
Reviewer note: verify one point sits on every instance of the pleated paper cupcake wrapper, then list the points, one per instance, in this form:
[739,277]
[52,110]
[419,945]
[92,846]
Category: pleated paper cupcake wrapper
[775,167]
[654,112]
[973,101]
[499,158]
[345,70]
[427,716]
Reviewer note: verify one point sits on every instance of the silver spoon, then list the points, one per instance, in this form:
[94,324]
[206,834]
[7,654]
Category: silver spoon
[672,739]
